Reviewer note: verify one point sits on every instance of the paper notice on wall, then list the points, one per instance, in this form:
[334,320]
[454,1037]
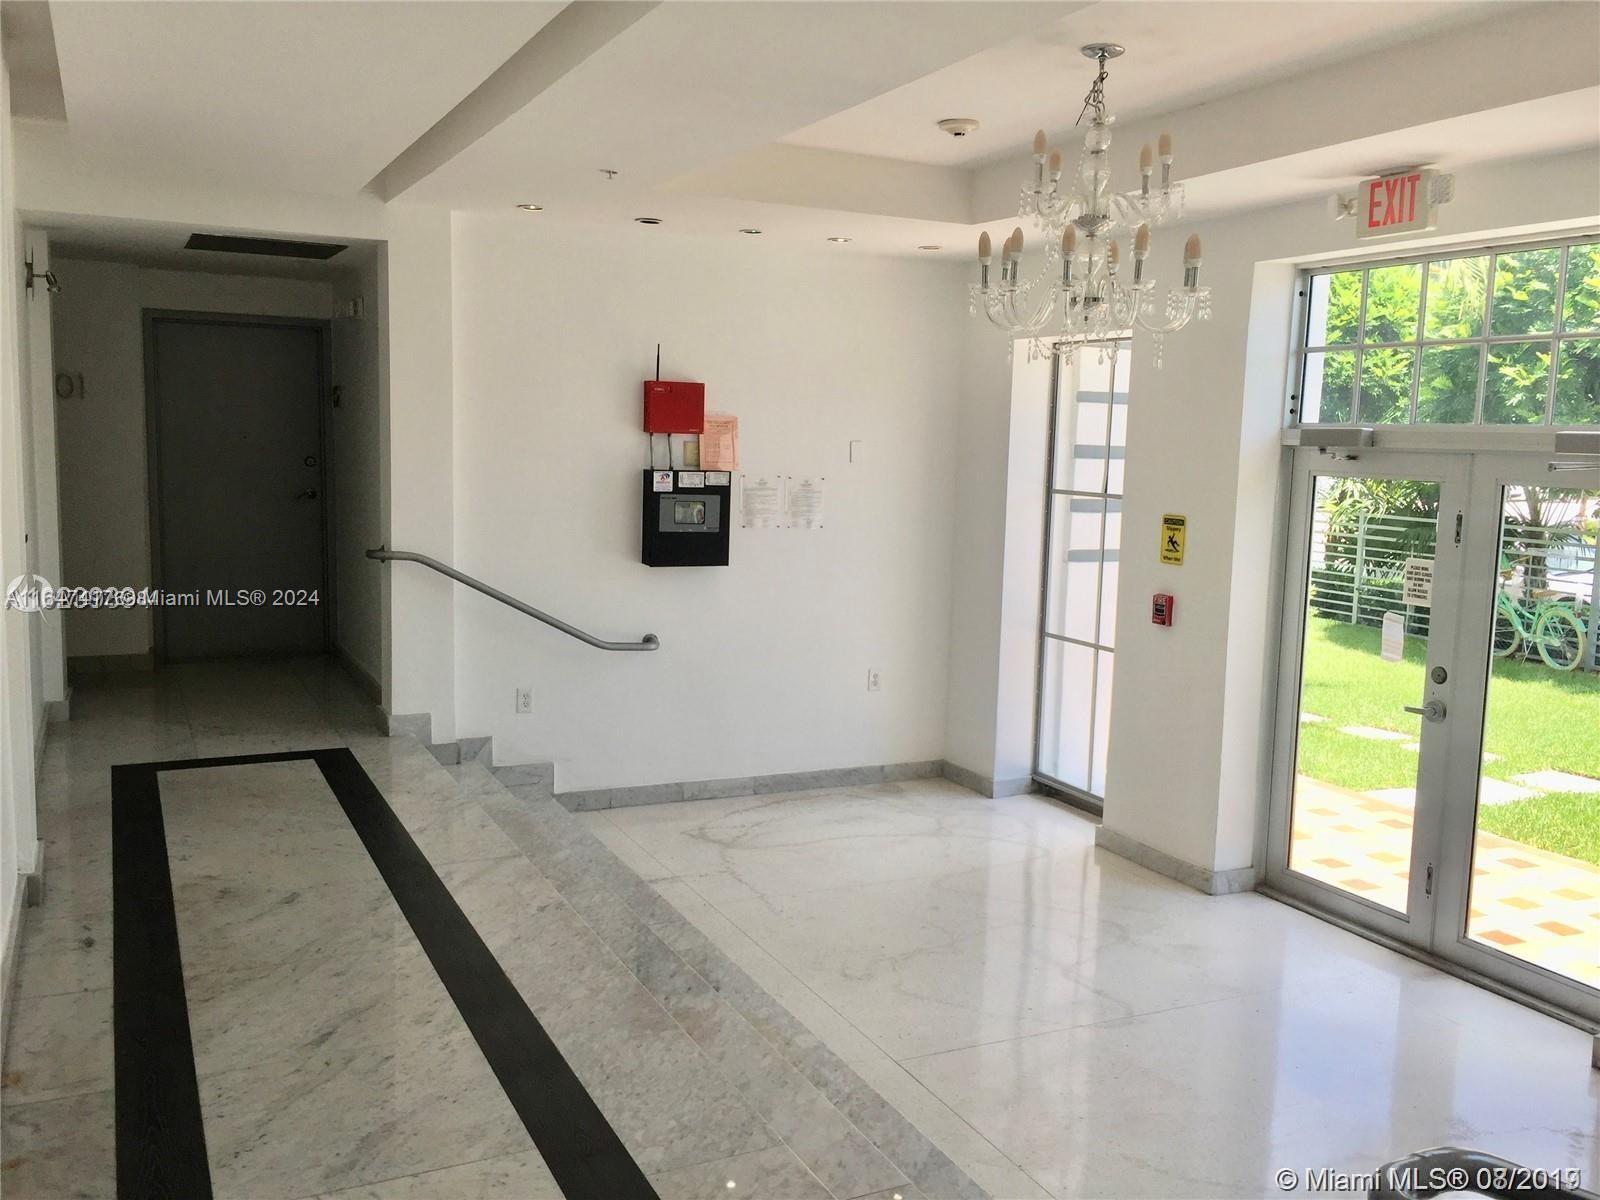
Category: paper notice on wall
[1417,578]
[761,501]
[719,443]
[805,501]
[1394,637]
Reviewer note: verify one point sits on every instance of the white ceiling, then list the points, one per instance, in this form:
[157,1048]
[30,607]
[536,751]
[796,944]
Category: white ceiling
[302,96]
[691,84]
[1178,54]
[160,245]
[804,118]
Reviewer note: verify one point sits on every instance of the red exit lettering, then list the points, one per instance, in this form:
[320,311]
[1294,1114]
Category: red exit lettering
[1392,201]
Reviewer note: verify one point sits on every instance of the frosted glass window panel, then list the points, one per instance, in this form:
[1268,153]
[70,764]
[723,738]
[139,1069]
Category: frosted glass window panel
[1065,747]
[1101,737]
[1089,443]
[1074,583]
[1109,566]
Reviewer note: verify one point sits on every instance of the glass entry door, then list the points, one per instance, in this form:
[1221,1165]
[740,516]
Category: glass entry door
[1521,837]
[1370,625]
[1438,773]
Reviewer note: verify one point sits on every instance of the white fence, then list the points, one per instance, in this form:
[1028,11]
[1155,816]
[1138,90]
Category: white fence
[1356,569]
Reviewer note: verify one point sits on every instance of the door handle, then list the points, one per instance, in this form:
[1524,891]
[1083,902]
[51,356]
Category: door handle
[1433,711]
[308,494]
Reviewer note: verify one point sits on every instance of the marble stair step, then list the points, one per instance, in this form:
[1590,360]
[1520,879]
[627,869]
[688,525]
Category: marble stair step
[801,1091]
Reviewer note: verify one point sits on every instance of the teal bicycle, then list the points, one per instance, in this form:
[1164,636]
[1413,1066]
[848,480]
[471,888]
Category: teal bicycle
[1545,623]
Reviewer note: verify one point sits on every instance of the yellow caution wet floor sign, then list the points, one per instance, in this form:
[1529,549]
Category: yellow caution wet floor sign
[1174,529]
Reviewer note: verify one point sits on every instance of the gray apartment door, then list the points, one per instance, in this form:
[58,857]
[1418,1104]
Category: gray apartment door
[237,485]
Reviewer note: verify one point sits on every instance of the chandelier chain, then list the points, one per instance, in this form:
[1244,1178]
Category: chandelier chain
[1095,100]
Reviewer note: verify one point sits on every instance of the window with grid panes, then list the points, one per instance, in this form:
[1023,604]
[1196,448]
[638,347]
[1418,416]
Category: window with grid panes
[1501,337]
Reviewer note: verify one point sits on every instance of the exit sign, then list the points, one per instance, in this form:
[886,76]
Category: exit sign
[1398,203]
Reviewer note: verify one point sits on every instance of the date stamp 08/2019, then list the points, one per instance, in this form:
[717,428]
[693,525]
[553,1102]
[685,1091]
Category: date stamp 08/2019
[1418,1179]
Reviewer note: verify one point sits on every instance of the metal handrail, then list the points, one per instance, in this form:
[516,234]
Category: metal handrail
[648,642]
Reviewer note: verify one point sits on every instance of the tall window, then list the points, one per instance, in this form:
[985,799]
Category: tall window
[1510,337]
[1083,537]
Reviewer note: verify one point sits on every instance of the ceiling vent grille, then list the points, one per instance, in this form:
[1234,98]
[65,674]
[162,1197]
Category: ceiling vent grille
[272,247]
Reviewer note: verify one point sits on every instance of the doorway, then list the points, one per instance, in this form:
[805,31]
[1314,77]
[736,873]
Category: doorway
[238,484]
[1438,775]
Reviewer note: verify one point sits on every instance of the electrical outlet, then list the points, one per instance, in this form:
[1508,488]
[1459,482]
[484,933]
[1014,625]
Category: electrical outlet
[524,700]
[874,679]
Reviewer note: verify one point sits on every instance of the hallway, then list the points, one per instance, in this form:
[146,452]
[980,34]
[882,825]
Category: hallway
[818,994]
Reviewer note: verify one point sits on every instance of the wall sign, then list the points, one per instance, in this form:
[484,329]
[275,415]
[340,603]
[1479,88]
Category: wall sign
[1398,203]
[761,501]
[1174,535]
[805,493]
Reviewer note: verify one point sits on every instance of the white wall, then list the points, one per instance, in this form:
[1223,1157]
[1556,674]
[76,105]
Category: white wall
[101,435]
[763,663]
[19,704]
[1004,418]
[357,454]
[50,667]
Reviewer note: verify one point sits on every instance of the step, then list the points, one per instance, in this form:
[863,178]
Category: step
[831,1119]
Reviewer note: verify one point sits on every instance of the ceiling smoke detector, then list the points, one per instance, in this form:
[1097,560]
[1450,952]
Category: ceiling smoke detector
[959,126]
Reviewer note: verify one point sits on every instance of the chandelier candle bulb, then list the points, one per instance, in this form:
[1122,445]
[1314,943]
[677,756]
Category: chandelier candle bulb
[1038,159]
[1146,166]
[1055,165]
[1113,256]
[1141,250]
[1191,262]
[1164,153]
[985,255]
[1039,145]
[1069,244]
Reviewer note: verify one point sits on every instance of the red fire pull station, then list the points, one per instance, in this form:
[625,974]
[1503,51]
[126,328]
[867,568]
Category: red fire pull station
[674,407]
[1161,609]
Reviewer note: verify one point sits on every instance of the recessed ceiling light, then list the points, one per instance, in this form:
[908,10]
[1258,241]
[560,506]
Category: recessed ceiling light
[839,240]
[749,231]
[930,247]
[648,220]
[531,207]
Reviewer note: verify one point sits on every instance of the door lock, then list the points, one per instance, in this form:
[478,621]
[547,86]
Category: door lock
[1432,711]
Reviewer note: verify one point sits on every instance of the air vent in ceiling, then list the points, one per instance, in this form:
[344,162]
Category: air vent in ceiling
[275,247]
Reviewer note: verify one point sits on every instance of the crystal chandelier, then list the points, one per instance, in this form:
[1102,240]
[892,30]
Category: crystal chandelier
[1082,294]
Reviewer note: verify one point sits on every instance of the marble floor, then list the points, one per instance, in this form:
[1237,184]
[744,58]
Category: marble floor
[330,1052]
[1068,1024]
[883,993]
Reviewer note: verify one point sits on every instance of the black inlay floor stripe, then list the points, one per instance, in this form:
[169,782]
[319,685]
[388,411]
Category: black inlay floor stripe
[160,1134]
[161,1140]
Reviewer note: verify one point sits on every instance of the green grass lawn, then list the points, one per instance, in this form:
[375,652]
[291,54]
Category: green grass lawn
[1538,720]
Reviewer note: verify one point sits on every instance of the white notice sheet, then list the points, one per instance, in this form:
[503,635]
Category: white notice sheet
[761,497]
[805,501]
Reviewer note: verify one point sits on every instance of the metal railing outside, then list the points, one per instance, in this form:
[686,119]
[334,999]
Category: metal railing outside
[1358,562]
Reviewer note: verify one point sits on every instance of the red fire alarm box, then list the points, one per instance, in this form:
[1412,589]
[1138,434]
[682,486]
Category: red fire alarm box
[1161,609]
[674,407]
